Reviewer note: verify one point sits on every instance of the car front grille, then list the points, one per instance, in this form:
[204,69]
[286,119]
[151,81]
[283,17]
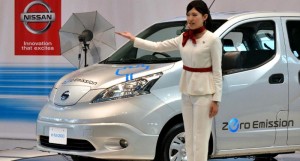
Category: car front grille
[72,144]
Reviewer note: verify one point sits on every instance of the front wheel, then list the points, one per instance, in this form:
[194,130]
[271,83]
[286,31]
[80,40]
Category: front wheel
[172,147]
[266,157]
[80,158]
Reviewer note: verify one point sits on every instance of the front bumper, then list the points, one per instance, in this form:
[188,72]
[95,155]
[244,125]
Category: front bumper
[103,137]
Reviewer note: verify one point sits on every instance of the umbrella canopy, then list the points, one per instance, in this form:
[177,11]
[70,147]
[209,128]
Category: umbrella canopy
[102,44]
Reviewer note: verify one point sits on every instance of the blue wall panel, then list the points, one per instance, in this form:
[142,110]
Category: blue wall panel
[24,90]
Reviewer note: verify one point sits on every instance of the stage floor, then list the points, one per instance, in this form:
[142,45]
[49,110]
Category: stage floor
[31,154]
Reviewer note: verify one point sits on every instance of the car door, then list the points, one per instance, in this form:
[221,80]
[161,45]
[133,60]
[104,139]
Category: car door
[291,27]
[255,85]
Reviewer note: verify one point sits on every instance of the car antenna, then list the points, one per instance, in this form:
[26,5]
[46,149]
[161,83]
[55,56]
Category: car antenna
[211,4]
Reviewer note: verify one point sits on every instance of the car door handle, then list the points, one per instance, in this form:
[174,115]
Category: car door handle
[276,78]
[299,77]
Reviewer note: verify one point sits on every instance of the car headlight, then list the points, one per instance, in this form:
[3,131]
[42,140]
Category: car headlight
[138,86]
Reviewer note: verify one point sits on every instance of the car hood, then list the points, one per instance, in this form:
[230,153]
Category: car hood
[106,75]
[69,89]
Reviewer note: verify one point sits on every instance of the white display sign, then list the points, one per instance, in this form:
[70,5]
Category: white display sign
[58,135]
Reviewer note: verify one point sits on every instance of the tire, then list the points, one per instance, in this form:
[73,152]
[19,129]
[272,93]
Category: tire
[76,158]
[80,158]
[267,157]
[172,145]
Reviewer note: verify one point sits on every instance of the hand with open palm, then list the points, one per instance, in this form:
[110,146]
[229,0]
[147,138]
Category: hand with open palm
[127,35]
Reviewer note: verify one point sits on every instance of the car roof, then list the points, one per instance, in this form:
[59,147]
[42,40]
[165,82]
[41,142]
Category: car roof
[244,15]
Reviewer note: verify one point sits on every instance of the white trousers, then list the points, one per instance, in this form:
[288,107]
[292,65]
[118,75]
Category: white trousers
[197,125]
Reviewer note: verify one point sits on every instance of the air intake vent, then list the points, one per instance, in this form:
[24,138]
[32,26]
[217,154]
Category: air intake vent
[72,144]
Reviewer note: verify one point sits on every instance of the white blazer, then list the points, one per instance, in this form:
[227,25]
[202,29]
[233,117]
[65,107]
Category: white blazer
[205,53]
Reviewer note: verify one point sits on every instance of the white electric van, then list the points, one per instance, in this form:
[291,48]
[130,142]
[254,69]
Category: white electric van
[129,105]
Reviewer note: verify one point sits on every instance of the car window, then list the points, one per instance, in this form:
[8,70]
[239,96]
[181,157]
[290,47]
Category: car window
[233,42]
[293,29]
[248,46]
[266,39]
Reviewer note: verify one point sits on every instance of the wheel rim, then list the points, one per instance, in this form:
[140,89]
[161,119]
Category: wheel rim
[177,150]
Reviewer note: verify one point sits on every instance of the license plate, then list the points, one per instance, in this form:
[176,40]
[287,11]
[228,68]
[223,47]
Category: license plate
[58,135]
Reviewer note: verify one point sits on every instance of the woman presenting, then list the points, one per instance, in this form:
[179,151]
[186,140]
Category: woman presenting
[201,78]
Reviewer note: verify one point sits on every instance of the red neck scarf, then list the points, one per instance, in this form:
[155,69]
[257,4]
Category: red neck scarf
[191,34]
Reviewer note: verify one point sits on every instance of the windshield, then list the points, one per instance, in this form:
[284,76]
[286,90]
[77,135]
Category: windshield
[128,54]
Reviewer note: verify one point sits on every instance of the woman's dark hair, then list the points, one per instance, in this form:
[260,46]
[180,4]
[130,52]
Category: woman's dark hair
[202,8]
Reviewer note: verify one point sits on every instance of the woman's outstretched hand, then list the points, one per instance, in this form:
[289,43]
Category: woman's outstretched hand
[127,35]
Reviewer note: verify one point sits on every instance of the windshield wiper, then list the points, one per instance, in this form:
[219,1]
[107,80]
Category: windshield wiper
[164,60]
[144,61]
[125,61]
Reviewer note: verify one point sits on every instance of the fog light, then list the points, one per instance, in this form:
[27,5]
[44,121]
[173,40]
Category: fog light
[123,143]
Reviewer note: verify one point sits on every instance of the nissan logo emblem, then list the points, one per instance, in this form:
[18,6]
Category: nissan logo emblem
[65,95]
[35,17]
